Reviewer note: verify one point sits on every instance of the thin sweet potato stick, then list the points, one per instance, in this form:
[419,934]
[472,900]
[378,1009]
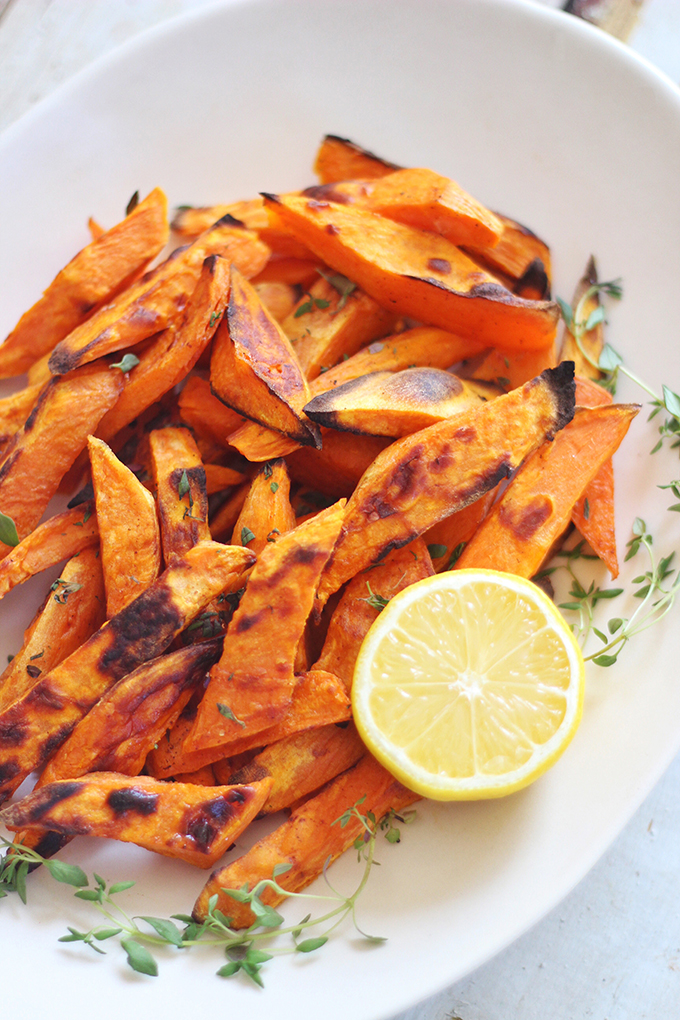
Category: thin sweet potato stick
[180,490]
[58,538]
[267,513]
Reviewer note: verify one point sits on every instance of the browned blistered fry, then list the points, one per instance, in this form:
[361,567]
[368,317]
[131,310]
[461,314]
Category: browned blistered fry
[58,538]
[420,274]
[254,369]
[90,278]
[119,731]
[193,823]
[253,682]
[302,763]
[174,353]
[332,321]
[44,449]
[308,841]
[74,609]
[358,608]
[14,410]
[266,513]
[158,299]
[128,528]
[423,478]
[180,490]
[534,510]
[33,728]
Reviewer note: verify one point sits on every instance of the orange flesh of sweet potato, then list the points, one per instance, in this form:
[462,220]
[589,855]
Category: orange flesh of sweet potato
[517,248]
[181,490]
[307,841]
[128,527]
[354,613]
[74,609]
[191,222]
[34,727]
[193,823]
[204,412]
[512,369]
[158,299]
[223,521]
[593,340]
[253,682]
[319,699]
[445,539]
[173,353]
[90,278]
[278,298]
[118,733]
[337,468]
[327,326]
[536,506]
[58,538]
[44,449]
[14,410]
[253,368]
[266,513]
[418,274]
[339,159]
[302,763]
[218,477]
[423,478]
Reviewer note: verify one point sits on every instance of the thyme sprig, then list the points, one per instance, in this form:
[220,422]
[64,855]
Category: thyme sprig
[247,950]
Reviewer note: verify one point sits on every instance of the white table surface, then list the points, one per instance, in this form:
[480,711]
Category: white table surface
[611,950]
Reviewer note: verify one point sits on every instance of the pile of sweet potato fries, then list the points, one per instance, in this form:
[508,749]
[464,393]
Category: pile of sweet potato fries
[266,442]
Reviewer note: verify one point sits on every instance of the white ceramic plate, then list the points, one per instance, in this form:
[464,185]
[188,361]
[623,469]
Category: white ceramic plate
[539,116]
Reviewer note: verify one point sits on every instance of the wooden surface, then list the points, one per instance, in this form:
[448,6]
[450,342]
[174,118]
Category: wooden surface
[611,950]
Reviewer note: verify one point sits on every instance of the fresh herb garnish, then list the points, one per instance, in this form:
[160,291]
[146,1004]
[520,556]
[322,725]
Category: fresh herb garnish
[228,714]
[246,535]
[126,363]
[8,531]
[375,601]
[132,204]
[343,286]
[63,589]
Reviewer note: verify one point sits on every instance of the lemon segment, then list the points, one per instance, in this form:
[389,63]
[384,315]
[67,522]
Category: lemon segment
[468,685]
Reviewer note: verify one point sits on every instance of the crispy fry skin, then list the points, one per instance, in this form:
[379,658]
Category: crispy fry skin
[307,840]
[44,450]
[158,299]
[253,681]
[354,614]
[131,717]
[302,763]
[14,410]
[392,404]
[74,609]
[174,353]
[254,369]
[205,413]
[535,508]
[180,490]
[319,699]
[339,159]
[326,326]
[92,277]
[193,823]
[58,538]
[266,513]
[593,513]
[33,728]
[423,478]
[419,274]
[128,527]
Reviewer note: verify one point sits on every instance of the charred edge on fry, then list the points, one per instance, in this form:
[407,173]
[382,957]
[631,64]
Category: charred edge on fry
[561,382]
[141,631]
[132,800]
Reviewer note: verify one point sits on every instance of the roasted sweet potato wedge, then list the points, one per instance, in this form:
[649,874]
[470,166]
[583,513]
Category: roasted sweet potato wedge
[181,490]
[593,340]
[266,513]
[193,823]
[14,410]
[339,159]
[419,274]
[446,540]
[58,538]
[92,277]
[514,253]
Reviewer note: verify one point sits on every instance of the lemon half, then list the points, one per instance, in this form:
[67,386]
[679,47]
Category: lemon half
[468,685]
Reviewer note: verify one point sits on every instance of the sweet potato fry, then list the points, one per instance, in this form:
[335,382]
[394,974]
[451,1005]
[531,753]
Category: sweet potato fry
[319,699]
[180,490]
[266,513]
[278,298]
[593,340]
[392,404]
[423,478]
[302,763]
[58,538]
[511,369]
[223,521]
[91,278]
[205,413]
[307,841]
[193,823]
[219,477]
[74,609]
[14,410]
[253,682]
[158,299]
[254,369]
[535,508]
[118,733]
[44,450]
[517,248]
[360,605]
[128,526]
[191,221]
[35,726]
[419,274]
[445,540]
[332,321]
[339,159]
[174,352]
[593,513]
[338,466]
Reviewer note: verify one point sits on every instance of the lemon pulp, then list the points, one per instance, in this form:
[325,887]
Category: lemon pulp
[468,685]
